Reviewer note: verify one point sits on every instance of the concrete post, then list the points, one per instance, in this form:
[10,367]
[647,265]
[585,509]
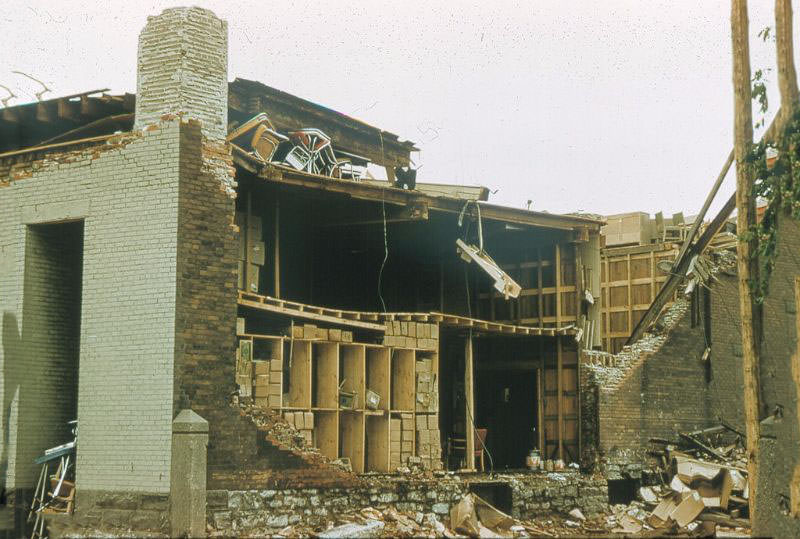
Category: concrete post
[188,475]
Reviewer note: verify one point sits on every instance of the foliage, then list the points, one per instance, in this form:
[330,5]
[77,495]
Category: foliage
[759,94]
[779,185]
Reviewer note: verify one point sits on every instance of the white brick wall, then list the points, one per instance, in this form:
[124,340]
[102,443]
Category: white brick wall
[183,69]
[129,199]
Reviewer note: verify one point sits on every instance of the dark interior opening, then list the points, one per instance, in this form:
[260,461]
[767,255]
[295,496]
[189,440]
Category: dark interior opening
[51,332]
[622,490]
[506,399]
[497,494]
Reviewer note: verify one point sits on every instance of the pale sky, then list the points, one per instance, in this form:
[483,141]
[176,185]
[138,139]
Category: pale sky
[600,106]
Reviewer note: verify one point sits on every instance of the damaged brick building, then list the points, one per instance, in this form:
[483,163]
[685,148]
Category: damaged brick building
[216,247]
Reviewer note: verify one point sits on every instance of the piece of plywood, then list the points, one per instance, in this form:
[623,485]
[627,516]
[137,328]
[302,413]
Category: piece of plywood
[379,374]
[469,401]
[326,375]
[377,441]
[300,375]
[352,371]
[326,433]
[351,438]
[403,380]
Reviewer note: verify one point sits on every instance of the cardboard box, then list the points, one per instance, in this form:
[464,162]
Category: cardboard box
[434,331]
[322,334]
[261,401]
[335,334]
[274,402]
[260,367]
[252,278]
[309,331]
[422,366]
[347,336]
[257,253]
[297,332]
[260,380]
[275,365]
[395,436]
[406,447]
[261,391]
[423,437]
[394,447]
[308,419]
[433,422]
[240,326]
[275,389]
[276,377]
[422,422]
[289,417]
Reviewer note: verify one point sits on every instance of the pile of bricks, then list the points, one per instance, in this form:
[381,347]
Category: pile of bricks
[427,387]
[429,444]
[303,422]
[267,377]
[409,334]
[402,440]
[312,332]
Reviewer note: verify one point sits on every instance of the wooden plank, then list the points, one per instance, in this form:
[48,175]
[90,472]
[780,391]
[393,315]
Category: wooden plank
[300,375]
[276,254]
[353,371]
[630,295]
[351,438]
[403,381]
[326,374]
[560,375]
[558,284]
[326,433]
[312,316]
[378,443]
[469,402]
[379,375]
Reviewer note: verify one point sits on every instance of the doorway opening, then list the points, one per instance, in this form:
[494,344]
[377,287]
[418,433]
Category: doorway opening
[51,334]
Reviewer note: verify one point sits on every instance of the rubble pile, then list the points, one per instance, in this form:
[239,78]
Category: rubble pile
[703,486]
[470,517]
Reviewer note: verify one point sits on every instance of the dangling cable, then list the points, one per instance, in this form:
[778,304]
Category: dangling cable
[385,253]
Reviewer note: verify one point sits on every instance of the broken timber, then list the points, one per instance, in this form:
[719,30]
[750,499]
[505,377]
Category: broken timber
[374,321]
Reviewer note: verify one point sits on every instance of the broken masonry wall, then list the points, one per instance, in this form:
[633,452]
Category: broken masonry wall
[532,495]
[653,389]
[205,309]
[127,194]
[780,441]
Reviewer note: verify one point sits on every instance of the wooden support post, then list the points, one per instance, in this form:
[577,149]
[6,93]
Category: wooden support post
[541,296]
[560,400]
[557,272]
[652,276]
[277,249]
[794,486]
[630,295]
[469,427]
[606,304]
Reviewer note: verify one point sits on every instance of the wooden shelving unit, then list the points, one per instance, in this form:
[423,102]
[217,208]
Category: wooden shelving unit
[306,376]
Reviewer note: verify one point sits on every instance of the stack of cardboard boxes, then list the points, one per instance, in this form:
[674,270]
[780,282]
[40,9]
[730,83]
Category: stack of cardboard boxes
[408,334]
[427,387]
[303,422]
[402,440]
[267,382]
[429,446]
[311,332]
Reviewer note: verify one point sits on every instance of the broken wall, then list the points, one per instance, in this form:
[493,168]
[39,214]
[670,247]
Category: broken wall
[654,389]
[127,195]
[779,441]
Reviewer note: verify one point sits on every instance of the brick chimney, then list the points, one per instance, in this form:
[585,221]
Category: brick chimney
[182,69]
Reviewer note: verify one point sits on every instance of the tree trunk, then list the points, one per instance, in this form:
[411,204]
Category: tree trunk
[787,76]
[745,207]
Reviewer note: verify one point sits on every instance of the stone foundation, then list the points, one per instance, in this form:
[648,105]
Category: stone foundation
[237,511]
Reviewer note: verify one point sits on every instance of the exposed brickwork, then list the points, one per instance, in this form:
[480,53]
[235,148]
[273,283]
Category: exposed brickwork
[654,390]
[183,69]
